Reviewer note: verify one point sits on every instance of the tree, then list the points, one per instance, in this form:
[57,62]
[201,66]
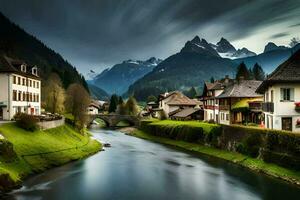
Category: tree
[53,94]
[212,80]
[151,98]
[114,101]
[77,101]
[121,101]
[131,106]
[121,109]
[258,72]
[192,93]
[242,71]
[294,41]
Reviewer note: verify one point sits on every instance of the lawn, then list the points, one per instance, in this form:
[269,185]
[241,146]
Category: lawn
[41,150]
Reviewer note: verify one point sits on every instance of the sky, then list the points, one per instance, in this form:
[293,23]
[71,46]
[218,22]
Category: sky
[96,34]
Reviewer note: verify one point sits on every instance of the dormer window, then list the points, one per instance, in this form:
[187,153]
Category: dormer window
[23,68]
[34,71]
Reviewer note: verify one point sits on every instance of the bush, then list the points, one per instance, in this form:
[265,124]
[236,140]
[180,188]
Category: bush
[27,122]
[250,145]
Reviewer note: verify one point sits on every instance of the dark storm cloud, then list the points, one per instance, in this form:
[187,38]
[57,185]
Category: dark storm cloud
[99,33]
[279,35]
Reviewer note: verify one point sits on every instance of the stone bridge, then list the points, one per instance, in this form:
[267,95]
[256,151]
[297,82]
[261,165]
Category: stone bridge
[112,120]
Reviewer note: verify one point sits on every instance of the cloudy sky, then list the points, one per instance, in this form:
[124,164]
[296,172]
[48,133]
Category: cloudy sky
[95,34]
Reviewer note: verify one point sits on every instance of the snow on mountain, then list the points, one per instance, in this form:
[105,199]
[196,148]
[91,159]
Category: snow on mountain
[226,50]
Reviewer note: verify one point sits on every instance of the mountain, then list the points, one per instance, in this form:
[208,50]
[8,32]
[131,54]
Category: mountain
[272,46]
[16,43]
[196,62]
[98,93]
[226,50]
[118,78]
[272,56]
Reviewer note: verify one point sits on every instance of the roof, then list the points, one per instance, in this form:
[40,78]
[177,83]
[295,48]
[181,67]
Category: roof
[13,66]
[242,88]
[287,72]
[177,98]
[186,112]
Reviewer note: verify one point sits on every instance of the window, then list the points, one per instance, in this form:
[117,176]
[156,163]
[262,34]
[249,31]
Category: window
[227,117]
[37,98]
[24,96]
[20,96]
[19,80]
[14,79]
[30,83]
[33,84]
[272,96]
[37,84]
[267,97]
[15,95]
[287,94]
[23,81]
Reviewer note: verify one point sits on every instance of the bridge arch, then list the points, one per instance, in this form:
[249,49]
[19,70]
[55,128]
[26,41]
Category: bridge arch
[112,120]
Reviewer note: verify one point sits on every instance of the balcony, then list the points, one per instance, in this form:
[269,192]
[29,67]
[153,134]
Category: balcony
[268,107]
[224,107]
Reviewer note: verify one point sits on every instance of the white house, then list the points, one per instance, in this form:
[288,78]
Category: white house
[173,102]
[93,108]
[20,88]
[282,96]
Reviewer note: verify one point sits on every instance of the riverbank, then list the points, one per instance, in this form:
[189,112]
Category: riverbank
[35,152]
[291,176]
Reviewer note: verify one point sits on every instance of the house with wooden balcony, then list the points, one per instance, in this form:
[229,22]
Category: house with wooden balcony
[240,104]
[209,98]
[281,92]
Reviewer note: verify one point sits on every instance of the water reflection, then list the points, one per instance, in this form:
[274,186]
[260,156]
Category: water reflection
[137,169]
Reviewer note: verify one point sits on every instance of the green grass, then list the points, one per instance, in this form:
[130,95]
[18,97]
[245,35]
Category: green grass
[243,160]
[60,145]
[207,128]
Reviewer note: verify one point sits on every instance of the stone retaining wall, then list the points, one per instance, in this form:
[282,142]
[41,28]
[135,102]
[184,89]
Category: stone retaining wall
[51,124]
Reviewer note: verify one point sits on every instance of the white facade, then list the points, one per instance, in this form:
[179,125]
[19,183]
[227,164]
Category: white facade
[211,107]
[92,110]
[224,117]
[19,93]
[284,115]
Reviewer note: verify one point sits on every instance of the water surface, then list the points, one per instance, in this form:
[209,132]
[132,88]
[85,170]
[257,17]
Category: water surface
[136,169]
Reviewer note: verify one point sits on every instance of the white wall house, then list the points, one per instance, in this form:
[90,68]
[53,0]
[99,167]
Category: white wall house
[175,101]
[20,89]
[281,94]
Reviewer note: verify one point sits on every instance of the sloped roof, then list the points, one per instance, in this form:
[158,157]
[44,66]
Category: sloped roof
[242,88]
[186,112]
[288,71]
[12,65]
[180,99]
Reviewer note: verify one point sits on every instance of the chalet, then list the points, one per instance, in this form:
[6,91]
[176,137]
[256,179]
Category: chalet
[173,102]
[94,108]
[281,92]
[189,114]
[20,88]
[239,103]
[209,98]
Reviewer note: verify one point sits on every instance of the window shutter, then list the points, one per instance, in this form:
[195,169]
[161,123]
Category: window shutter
[281,94]
[292,94]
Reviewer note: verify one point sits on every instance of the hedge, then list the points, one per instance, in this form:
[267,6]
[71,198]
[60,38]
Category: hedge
[280,147]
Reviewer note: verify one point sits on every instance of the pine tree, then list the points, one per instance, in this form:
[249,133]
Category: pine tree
[258,72]
[212,80]
[192,93]
[121,101]
[114,100]
[151,98]
[242,71]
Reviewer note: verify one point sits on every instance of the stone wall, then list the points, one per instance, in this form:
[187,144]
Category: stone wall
[51,124]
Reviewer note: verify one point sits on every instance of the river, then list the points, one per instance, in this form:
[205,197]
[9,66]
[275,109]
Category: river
[133,168]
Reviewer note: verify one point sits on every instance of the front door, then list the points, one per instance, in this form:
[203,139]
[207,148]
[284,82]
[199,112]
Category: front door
[1,113]
[287,124]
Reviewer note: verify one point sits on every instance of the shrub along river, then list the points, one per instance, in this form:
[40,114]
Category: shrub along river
[133,168]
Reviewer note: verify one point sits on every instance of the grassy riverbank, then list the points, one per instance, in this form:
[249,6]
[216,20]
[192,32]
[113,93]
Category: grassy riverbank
[240,159]
[40,150]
